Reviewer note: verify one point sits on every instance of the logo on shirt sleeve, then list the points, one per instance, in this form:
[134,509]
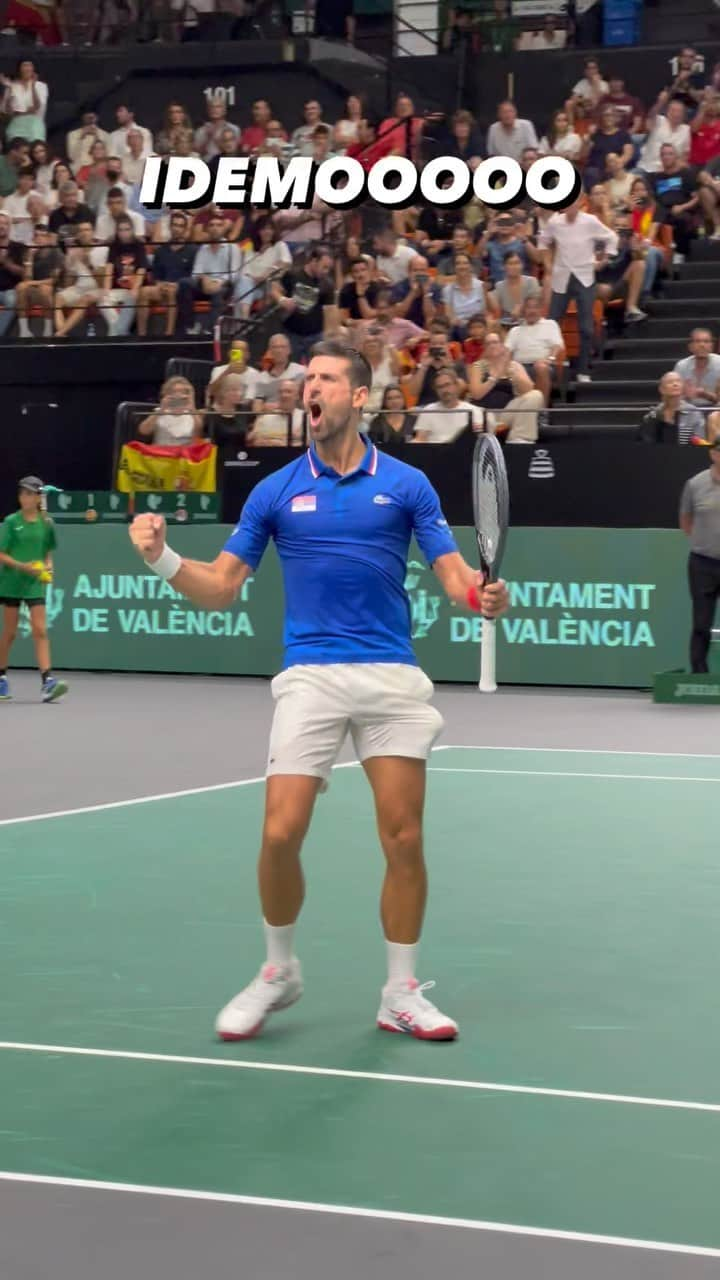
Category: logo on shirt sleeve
[304,502]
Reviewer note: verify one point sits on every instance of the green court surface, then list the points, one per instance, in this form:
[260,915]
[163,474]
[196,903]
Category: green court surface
[572,931]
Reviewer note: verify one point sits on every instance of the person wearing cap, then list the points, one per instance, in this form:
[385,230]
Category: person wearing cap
[700,520]
[27,541]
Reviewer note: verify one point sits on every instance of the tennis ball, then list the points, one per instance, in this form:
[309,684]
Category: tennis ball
[44,575]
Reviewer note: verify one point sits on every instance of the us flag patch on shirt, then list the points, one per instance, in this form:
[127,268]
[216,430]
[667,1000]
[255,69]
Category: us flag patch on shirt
[304,502]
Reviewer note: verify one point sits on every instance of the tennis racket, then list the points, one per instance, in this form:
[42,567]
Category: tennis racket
[491,509]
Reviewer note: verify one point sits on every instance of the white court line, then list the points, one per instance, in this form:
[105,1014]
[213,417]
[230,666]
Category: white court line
[163,795]
[557,773]
[581,751]
[284,1068]
[356,1211]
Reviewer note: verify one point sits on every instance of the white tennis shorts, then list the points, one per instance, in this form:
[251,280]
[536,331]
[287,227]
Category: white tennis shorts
[383,705]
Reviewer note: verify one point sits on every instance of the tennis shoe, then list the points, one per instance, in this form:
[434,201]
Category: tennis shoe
[404,1008]
[276,987]
[5,694]
[53,689]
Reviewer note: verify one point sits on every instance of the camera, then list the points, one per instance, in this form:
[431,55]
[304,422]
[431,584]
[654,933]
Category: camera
[436,353]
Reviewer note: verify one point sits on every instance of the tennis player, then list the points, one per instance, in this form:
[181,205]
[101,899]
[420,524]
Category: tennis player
[27,541]
[342,516]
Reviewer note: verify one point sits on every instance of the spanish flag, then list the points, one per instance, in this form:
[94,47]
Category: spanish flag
[146,468]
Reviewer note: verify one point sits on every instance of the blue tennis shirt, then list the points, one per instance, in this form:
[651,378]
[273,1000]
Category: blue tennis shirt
[343,543]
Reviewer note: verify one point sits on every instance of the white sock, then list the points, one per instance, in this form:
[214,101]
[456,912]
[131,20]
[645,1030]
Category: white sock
[47,327]
[279,943]
[402,959]
[24,326]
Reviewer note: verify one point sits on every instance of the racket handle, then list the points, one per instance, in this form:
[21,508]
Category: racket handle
[487,658]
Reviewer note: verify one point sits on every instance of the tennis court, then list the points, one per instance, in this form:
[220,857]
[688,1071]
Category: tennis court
[573,1129]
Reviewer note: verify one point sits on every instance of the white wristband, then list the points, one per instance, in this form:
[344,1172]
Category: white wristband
[168,564]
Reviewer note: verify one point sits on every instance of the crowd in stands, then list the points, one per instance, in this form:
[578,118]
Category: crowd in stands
[466,312]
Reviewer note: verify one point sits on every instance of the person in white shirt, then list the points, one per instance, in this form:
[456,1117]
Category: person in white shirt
[239,366]
[448,416]
[536,344]
[25,100]
[117,207]
[572,241]
[393,259]
[85,279]
[561,139]
[79,142]
[666,124]
[207,137]
[16,207]
[133,163]
[618,183]
[272,428]
[176,422]
[510,136]
[302,138]
[118,138]
[592,87]
[278,368]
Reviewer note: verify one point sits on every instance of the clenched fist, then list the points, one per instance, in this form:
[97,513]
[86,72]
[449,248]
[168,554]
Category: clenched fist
[147,534]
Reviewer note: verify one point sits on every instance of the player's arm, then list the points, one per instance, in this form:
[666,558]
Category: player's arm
[465,587]
[211,585]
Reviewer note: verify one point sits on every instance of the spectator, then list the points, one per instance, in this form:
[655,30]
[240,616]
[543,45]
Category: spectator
[357,298]
[464,297]
[384,364]
[461,242]
[420,383]
[435,229]
[700,371]
[134,162]
[300,228]
[207,137]
[118,139]
[473,348]
[128,260]
[347,129]
[629,110]
[417,298]
[591,88]
[108,174]
[275,142]
[12,269]
[369,148]
[271,428]
[601,141]
[302,138]
[700,520]
[574,236]
[623,273]
[674,420]
[666,124]
[16,207]
[84,279]
[396,332]
[61,174]
[42,167]
[228,417]
[215,275]
[25,102]
[69,214]
[509,135]
[393,424]
[96,166]
[228,143]
[277,367]
[705,131]
[507,301]
[305,298]
[107,223]
[253,137]
[561,139]
[675,193]
[449,416]
[501,383]
[709,196]
[232,223]
[402,127]
[646,219]
[244,374]
[44,266]
[79,142]
[176,122]
[269,257]
[16,157]
[464,142]
[501,237]
[320,143]
[537,344]
[176,421]
[549,36]
[172,262]
[618,182]
[687,85]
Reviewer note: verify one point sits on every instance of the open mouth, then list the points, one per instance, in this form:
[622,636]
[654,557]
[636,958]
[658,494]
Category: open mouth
[315,412]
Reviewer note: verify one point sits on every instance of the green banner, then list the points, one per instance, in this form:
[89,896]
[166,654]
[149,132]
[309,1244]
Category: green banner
[181,508]
[589,607]
[87,507]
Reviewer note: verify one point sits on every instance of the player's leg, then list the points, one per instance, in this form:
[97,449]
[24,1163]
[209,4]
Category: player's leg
[52,688]
[10,615]
[393,729]
[308,730]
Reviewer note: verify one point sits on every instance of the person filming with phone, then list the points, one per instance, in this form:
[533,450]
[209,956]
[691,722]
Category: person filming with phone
[176,421]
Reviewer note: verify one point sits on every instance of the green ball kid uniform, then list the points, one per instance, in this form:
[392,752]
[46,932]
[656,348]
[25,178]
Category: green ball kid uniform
[26,541]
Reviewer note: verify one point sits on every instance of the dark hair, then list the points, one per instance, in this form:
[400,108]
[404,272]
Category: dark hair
[114,192]
[258,226]
[511,253]
[439,326]
[319,251]
[124,221]
[391,386]
[359,371]
[16,143]
[26,171]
